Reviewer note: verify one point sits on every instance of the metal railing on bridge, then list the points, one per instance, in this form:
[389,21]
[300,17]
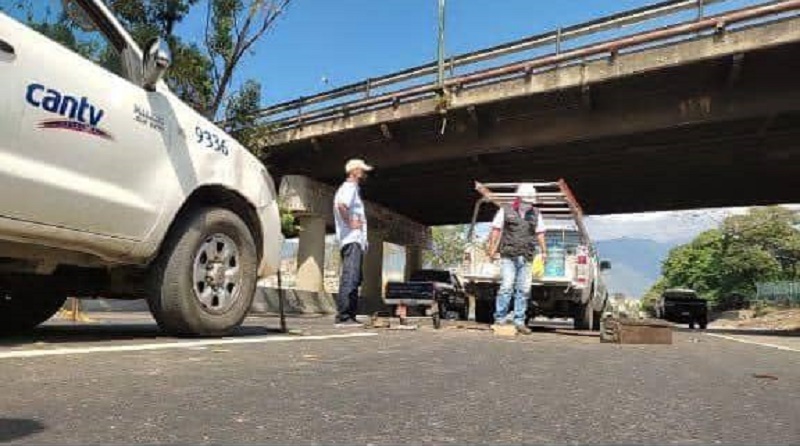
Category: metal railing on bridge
[651,25]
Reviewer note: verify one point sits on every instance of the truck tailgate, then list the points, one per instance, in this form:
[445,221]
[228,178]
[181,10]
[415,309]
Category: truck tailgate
[409,292]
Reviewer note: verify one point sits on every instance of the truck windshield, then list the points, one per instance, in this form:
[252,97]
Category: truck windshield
[430,276]
[563,238]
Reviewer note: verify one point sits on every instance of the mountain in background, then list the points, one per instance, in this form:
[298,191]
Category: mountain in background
[635,263]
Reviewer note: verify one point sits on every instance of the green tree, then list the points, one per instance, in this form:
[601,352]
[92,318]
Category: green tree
[649,299]
[232,28]
[769,238]
[449,244]
[762,245]
[202,73]
[696,265]
[239,112]
[203,76]
[189,76]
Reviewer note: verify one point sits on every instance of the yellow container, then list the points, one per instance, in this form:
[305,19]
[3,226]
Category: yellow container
[537,267]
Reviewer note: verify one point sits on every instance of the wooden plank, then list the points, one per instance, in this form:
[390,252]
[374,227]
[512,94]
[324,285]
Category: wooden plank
[507,330]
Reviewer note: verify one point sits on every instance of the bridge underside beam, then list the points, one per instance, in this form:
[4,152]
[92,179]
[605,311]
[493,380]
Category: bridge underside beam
[717,132]
[580,75]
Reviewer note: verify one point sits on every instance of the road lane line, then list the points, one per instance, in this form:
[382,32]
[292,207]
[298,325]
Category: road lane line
[171,345]
[763,344]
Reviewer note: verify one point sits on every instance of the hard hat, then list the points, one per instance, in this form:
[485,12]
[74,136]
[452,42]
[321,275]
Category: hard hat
[527,192]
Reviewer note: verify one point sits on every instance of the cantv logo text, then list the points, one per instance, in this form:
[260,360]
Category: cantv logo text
[80,114]
[54,101]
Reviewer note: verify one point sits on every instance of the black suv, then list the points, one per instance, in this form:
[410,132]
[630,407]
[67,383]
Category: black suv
[683,306]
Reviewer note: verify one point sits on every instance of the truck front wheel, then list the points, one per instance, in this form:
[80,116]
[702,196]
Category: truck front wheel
[22,310]
[203,282]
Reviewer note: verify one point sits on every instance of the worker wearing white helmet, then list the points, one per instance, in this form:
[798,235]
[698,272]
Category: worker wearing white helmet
[516,229]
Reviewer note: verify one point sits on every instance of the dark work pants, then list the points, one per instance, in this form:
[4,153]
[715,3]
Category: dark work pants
[349,281]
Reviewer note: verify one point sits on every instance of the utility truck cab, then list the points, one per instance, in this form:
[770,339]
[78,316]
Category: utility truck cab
[113,187]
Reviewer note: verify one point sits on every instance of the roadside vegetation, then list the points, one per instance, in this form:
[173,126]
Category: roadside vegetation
[724,264]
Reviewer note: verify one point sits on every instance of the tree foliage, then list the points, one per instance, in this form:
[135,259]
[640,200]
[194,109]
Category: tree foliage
[762,245]
[239,111]
[449,244]
[202,73]
[648,301]
[232,28]
[189,75]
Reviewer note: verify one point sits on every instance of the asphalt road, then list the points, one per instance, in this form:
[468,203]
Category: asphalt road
[121,381]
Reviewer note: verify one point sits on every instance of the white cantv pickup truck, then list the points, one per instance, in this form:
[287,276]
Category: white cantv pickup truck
[111,186]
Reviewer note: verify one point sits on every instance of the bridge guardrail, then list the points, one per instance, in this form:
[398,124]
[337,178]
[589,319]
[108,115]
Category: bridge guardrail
[393,89]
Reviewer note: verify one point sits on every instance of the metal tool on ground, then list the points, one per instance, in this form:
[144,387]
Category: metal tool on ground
[281,304]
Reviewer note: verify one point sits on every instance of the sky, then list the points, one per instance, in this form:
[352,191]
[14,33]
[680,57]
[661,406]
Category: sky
[323,44]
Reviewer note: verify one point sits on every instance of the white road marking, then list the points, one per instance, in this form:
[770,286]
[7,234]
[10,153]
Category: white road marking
[763,344]
[171,345]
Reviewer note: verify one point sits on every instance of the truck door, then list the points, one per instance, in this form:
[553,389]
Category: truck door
[10,110]
[90,146]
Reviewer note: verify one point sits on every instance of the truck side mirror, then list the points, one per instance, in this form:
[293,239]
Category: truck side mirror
[605,265]
[156,61]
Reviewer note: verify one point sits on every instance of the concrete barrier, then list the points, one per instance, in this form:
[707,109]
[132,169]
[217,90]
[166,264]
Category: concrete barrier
[297,302]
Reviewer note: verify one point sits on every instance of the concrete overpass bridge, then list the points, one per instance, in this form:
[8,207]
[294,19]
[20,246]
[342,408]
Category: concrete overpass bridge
[668,113]
[701,112]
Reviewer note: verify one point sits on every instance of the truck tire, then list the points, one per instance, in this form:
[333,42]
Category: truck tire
[464,313]
[584,316]
[203,281]
[484,311]
[596,317]
[21,311]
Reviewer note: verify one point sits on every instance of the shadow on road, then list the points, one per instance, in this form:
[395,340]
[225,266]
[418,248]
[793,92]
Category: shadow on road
[744,332]
[15,428]
[562,328]
[85,333]
[578,333]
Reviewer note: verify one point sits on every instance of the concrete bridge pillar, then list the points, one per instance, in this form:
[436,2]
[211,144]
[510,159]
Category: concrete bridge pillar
[311,253]
[372,287]
[414,260]
[312,203]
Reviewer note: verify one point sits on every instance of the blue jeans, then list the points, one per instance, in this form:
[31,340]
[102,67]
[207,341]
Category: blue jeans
[349,281]
[516,282]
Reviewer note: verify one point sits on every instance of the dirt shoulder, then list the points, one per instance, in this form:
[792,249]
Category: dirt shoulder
[774,319]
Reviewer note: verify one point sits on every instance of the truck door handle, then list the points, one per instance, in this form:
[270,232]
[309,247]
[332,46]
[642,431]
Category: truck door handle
[6,47]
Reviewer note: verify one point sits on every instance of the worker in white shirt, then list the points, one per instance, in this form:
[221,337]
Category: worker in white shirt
[351,232]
